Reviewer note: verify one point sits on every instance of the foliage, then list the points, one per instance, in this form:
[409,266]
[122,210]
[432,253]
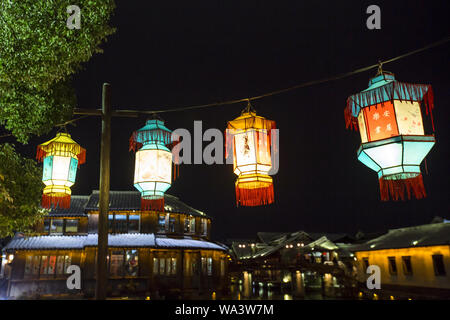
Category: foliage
[38,54]
[20,192]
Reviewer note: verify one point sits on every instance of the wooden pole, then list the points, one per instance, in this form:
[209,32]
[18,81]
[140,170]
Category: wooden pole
[102,248]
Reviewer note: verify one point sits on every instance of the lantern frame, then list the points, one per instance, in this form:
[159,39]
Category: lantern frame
[251,134]
[389,117]
[61,157]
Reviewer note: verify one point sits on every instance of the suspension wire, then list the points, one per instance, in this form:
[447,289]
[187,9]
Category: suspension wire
[301,85]
[135,113]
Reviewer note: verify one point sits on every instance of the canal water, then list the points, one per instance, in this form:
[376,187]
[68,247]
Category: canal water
[288,286]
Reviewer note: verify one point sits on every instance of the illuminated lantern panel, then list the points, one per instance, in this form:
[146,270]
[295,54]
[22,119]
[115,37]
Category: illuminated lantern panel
[393,142]
[249,137]
[153,165]
[61,157]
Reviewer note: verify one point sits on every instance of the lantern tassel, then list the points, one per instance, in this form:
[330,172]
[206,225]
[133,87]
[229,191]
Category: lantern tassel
[152,205]
[396,189]
[254,197]
[49,200]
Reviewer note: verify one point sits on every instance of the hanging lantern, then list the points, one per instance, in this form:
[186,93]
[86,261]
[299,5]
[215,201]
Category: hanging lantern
[153,165]
[61,157]
[249,138]
[388,115]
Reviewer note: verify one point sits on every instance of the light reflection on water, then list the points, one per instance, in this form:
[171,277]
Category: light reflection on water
[290,286]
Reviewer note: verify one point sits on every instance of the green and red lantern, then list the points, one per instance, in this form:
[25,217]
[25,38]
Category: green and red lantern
[61,157]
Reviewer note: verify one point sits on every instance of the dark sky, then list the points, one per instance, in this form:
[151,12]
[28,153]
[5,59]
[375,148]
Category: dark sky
[178,53]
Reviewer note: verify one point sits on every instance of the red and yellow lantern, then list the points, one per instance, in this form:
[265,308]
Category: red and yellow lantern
[388,115]
[61,157]
[249,138]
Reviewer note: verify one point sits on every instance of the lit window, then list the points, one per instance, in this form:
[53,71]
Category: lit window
[46,225]
[438,263]
[56,226]
[192,222]
[44,265]
[60,265]
[168,266]
[209,266]
[171,224]
[28,265]
[51,265]
[174,265]
[36,265]
[161,222]
[133,223]
[187,225]
[72,225]
[131,262]
[203,265]
[204,227]
[162,266]
[116,264]
[155,266]
[67,263]
[120,223]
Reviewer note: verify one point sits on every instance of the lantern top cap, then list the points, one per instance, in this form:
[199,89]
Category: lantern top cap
[153,124]
[380,79]
[63,134]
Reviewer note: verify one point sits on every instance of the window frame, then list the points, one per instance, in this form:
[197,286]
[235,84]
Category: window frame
[436,271]
[392,272]
[407,272]
[42,271]
[112,225]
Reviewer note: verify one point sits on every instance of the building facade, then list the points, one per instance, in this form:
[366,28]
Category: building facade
[158,254]
[414,262]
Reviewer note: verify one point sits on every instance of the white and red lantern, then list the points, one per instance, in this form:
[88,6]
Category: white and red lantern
[249,138]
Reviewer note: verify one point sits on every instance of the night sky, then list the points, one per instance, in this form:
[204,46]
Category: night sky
[178,53]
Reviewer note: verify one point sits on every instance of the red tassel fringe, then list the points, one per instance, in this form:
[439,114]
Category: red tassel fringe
[390,90]
[81,157]
[41,154]
[61,202]
[152,205]
[254,197]
[397,189]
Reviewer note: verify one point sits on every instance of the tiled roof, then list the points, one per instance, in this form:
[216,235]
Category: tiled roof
[77,205]
[187,243]
[123,240]
[418,236]
[131,200]
[114,240]
[46,242]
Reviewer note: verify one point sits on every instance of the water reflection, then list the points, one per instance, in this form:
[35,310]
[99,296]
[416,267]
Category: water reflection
[286,285]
